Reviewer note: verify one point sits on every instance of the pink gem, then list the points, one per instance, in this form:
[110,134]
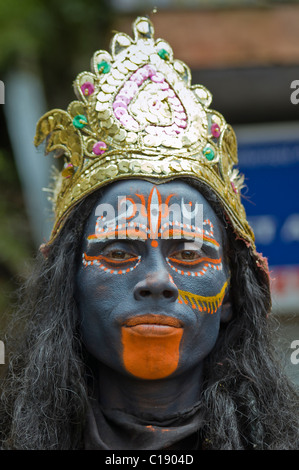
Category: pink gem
[99,148]
[137,78]
[143,73]
[127,93]
[119,112]
[87,88]
[129,122]
[129,89]
[119,104]
[215,130]
[122,97]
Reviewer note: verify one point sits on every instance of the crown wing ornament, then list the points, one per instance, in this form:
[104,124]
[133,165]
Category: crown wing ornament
[138,116]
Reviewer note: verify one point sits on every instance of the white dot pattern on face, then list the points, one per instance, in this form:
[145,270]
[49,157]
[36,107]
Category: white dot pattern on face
[215,264]
[195,273]
[92,261]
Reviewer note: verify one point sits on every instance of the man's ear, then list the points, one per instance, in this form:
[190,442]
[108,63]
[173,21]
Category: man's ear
[226,309]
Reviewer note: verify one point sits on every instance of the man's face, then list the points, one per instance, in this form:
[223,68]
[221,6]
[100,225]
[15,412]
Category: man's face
[152,279]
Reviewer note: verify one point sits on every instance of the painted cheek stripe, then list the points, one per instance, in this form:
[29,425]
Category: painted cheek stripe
[203,304]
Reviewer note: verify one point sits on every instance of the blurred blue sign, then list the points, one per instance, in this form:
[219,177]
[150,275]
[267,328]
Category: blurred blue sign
[271,199]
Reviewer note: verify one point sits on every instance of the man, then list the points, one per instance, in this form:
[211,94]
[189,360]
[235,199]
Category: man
[147,316]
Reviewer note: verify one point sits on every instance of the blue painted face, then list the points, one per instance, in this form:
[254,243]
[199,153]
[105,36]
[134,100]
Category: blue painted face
[152,279]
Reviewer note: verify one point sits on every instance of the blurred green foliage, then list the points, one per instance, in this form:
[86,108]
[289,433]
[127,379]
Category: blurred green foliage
[16,244]
[56,39]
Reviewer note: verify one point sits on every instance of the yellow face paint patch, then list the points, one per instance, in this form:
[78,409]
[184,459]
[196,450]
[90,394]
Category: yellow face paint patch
[202,303]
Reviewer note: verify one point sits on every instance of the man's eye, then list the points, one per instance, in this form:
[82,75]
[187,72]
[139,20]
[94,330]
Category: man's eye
[187,255]
[118,254]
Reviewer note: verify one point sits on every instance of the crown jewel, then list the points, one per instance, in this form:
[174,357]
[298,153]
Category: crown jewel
[138,116]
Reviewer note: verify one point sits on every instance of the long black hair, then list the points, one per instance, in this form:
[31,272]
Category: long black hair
[249,402]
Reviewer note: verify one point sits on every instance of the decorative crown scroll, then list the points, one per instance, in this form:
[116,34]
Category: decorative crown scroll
[138,116]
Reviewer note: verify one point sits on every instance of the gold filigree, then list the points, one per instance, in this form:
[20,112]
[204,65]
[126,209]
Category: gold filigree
[138,116]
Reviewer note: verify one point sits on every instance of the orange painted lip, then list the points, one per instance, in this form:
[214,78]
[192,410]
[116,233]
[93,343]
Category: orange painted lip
[153,320]
[154,330]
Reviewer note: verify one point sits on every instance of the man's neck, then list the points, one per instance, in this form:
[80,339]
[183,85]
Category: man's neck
[159,398]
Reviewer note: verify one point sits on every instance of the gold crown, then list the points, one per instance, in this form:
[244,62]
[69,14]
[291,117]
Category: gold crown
[138,116]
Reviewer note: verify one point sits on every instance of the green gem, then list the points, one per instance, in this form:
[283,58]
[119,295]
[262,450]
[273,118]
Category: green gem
[104,67]
[163,54]
[209,153]
[79,121]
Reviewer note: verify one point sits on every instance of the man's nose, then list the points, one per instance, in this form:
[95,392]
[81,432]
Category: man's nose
[157,285]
